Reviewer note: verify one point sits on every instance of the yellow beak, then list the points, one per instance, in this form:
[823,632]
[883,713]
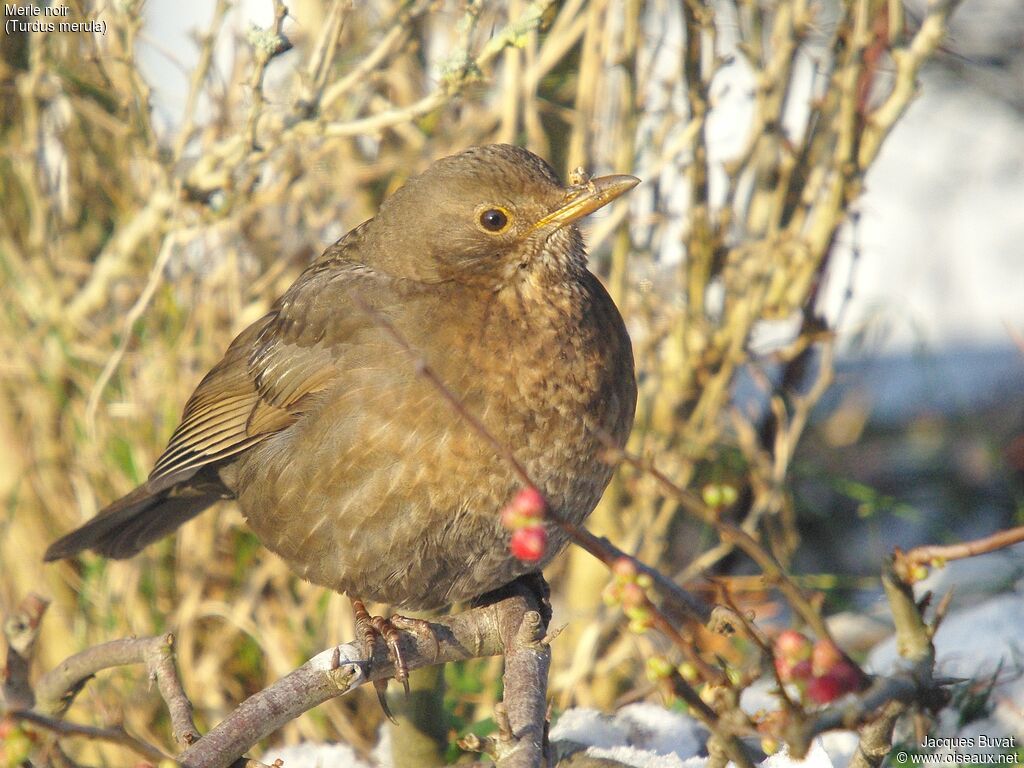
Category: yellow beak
[586,198]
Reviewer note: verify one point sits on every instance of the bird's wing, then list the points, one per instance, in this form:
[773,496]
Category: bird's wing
[265,380]
[213,425]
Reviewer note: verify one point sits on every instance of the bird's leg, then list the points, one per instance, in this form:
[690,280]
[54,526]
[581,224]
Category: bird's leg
[388,629]
[372,627]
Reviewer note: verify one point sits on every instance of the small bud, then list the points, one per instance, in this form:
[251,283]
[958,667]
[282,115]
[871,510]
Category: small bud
[658,669]
[918,572]
[792,672]
[709,694]
[638,613]
[510,518]
[529,544]
[841,679]
[633,595]
[638,627]
[729,495]
[712,495]
[769,745]
[624,568]
[525,509]
[612,594]
[801,671]
[688,672]
[849,676]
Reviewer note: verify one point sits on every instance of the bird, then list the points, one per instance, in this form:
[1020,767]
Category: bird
[344,458]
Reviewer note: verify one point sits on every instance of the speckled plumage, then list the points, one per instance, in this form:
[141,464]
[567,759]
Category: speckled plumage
[345,460]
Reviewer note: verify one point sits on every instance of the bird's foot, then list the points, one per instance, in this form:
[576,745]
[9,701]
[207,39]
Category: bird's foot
[372,628]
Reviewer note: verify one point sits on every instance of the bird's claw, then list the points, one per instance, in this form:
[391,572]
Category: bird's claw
[389,630]
[380,687]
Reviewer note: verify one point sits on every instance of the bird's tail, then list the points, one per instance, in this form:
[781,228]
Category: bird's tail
[134,521]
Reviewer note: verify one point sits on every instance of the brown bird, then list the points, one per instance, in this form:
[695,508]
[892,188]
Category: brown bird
[344,458]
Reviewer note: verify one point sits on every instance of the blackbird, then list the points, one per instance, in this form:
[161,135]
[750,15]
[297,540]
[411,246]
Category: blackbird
[344,457]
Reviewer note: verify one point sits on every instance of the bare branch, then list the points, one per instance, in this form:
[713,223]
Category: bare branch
[477,632]
[159,658]
[932,553]
[112,735]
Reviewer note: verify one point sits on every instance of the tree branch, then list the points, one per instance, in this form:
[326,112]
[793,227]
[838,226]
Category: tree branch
[482,631]
[929,554]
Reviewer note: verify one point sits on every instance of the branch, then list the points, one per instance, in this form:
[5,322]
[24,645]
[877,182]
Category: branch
[522,715]
[483,631]
[116,735]
[929,554]
[57,689]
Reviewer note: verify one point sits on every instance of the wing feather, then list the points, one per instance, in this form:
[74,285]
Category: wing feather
[270,371]
[218,410]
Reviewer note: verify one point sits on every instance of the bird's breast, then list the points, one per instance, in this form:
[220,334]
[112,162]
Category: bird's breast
[385,489]
[550,374]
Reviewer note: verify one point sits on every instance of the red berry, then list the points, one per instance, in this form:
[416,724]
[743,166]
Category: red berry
[843,678]
[822,690]
[784,669]
[825,656]
[529,502]
[793,646]
[529,544]
[801,670]
[792,671]
[849,677]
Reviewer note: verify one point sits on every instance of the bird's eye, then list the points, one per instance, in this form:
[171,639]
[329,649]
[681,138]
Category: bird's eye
[494,219]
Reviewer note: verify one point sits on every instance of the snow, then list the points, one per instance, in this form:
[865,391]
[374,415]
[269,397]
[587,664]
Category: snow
[974,641]
[310,755]
[982,638]
[941,228]
[976,577]
[817,757]
[644,758]
[646,728]
[589,727]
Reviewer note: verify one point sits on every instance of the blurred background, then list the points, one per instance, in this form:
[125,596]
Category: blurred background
[827,318]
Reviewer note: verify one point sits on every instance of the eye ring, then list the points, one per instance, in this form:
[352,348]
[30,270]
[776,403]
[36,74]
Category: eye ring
[495,219]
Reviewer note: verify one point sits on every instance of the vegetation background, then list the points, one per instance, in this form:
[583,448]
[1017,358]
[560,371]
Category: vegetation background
[133,248]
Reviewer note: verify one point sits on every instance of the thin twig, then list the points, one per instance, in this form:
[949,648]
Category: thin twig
[931,553]
[113,735]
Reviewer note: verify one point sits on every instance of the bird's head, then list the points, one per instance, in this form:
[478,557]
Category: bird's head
[486,214]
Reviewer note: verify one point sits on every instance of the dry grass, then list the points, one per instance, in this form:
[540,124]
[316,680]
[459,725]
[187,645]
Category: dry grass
[130,259]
